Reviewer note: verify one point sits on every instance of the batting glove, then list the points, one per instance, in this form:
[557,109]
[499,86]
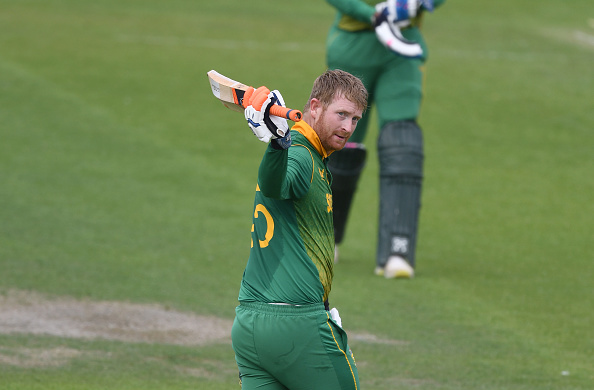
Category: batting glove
[390,17]
[335,316]
[257,113]
[400,12]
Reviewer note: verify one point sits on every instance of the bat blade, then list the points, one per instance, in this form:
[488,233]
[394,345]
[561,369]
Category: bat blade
[228,91]
[231,92]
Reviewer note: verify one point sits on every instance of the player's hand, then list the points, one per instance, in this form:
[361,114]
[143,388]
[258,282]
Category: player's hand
[390,16]
[382,14]
[400,12]
[263,125]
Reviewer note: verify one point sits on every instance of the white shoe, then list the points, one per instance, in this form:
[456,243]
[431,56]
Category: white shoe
[335,254]
[397,267]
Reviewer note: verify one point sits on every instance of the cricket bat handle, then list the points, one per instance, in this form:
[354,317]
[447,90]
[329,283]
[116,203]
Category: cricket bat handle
[284,112]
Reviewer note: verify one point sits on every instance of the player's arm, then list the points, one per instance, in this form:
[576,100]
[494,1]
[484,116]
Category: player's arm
[356,9]
[280,173]
[285,174]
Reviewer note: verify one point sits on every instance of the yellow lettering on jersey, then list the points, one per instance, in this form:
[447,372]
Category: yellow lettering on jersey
[329,201]
[269,225]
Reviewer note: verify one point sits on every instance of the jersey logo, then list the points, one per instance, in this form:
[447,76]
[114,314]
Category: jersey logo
[399,244]
[329,202]
[323,174]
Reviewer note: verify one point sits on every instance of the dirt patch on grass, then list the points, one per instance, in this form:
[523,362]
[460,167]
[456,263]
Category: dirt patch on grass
[33,313]
[30,357]
[26,312]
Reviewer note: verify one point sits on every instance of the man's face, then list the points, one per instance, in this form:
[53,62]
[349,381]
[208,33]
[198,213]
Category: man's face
[335,124]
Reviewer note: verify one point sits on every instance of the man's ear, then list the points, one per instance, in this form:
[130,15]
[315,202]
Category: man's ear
[315,108]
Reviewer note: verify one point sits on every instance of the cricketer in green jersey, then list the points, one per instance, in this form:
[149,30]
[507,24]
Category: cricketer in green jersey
[382,43]
[284,335]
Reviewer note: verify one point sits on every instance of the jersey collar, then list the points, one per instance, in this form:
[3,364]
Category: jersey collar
[309,133]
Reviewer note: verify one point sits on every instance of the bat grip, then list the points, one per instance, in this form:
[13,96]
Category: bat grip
[276,110]
[284,112]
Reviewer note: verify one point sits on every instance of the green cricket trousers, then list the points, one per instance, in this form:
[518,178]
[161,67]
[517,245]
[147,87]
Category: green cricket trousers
[280,347]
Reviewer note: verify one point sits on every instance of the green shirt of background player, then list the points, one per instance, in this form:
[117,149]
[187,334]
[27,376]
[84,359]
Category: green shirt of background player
[284,336]
[381,43]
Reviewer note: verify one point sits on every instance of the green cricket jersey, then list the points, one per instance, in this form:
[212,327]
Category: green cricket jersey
[292,254]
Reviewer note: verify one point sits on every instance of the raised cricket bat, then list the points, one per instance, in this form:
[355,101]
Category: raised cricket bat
[230,93]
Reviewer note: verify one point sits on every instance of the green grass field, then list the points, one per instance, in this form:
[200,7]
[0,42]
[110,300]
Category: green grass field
[123,179]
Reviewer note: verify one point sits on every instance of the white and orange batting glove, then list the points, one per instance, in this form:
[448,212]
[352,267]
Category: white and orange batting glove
[265,126]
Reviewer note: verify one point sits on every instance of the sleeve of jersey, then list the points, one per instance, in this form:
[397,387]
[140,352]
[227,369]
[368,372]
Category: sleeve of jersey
[285,174]
[355,8]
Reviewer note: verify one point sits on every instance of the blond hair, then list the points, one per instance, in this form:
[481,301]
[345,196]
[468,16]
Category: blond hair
[333,83]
